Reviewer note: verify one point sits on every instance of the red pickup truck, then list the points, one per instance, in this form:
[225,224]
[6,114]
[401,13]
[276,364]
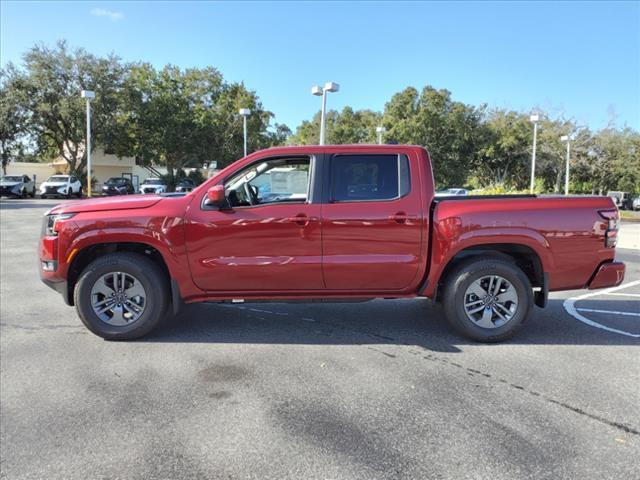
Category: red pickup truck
[328,223]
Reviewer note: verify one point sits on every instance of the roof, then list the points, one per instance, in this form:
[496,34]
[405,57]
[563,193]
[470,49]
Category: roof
[337,148]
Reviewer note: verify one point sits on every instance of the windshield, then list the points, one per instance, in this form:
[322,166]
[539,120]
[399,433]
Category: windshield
[153,181]
[58,178]
[11,179]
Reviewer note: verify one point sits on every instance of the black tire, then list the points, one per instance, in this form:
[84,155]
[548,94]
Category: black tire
[459,280]
[43,197]
[33,193]
[24,193]
[143,269]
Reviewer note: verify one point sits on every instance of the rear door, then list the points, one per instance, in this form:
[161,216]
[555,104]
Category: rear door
[372,221]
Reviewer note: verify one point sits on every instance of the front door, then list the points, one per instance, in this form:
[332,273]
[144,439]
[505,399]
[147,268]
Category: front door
[268,239]
[372,223]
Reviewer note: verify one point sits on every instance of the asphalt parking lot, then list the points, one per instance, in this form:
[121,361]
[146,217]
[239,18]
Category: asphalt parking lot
[379,390]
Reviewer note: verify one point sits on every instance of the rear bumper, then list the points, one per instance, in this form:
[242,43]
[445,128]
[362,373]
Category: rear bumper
[610,274]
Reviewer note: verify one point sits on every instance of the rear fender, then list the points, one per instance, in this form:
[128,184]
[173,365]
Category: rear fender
[447,246]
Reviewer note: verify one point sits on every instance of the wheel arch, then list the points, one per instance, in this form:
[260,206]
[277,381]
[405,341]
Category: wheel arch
[523,256]
[89,253]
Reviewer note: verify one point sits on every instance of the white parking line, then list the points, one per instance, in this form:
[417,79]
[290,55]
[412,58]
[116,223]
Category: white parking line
[608,311]
[625,294]
[569,306]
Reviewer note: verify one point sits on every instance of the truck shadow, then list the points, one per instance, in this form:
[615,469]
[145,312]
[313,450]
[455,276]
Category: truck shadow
[385,322]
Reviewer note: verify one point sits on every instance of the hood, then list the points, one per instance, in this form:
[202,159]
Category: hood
[53,184]
[106,204]
[7,183]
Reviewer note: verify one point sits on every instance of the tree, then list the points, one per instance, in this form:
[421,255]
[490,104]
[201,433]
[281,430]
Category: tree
[615,159]
[346,127]
[56,113]
[13,116]
[504,152]
[450,130]
[183,118]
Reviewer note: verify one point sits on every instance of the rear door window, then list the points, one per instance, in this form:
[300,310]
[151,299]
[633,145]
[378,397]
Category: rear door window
[369,177]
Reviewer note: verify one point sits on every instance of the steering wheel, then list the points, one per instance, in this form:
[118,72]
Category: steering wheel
[252,193]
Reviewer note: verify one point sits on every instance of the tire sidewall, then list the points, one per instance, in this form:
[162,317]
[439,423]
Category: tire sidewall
[144,271]
[474,271]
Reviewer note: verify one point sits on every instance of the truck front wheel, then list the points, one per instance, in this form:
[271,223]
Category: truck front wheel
[487,299]
[121,296]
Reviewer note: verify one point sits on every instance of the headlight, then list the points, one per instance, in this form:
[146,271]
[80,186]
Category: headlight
[62,190]
[15,188]
[50,221]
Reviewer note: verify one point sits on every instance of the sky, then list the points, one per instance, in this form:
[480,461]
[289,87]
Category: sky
[580,60]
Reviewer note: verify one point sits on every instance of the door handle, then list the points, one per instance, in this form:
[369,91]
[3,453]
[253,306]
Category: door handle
[300,219]
[400,217]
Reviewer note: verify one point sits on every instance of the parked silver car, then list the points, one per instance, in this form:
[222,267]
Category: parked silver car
[452,192]
[17,186]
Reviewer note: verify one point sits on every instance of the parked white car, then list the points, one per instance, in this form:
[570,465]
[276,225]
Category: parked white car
[61,186]
[153,185]
[17,186]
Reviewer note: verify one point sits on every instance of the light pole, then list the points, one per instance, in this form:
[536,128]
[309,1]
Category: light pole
[88,95]
[380,131]
[245,112]
[534,119]
[317,91]
[566,138]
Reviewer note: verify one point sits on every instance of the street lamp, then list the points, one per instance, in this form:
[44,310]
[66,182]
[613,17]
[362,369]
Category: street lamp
[88,95]
[534,119]
[245,112]
[380,131]
[566,138]
[318,91]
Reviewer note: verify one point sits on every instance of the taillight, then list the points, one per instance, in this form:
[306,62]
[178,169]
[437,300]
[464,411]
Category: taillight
[611,233]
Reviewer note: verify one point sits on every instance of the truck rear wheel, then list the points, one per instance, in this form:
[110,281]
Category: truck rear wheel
[121,296]
[487,299]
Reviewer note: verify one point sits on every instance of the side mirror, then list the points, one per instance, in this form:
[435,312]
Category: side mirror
[215,196]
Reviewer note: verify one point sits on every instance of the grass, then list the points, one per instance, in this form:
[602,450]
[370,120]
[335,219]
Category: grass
[628,214]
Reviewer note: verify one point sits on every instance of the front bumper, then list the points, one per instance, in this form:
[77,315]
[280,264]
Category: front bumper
[60,287]
[8,192]
[610,274]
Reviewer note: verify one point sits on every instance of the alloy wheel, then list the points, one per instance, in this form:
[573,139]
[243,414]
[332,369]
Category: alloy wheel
[490,301]
[118,298]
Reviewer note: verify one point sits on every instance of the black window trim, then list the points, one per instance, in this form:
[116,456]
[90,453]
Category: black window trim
[330,198]
[313,164]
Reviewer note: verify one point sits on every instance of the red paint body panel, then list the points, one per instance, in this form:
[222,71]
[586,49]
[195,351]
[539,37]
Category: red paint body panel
[344,250]
[567,234]
[255,248]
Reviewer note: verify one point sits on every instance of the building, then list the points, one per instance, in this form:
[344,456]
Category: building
[103,167]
